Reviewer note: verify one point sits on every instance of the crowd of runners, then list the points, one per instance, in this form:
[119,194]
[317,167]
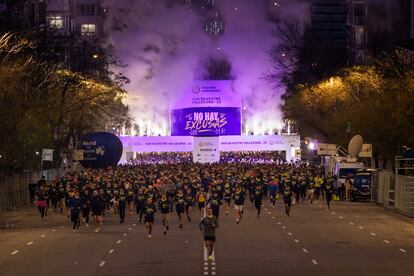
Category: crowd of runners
[199,192]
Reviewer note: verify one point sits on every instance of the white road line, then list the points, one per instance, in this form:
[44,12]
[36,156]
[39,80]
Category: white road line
[186,241]
[213,273]
[62,226]
[270,213]
[29,243]
[205,263]
[15,252]
[351,223]
[290,234]
[213,263]
[125,234]
[296,240]
[101,264]
[134,224]
[206,268]
[341,217]
[373,234]
[361,227]
[213,268]
[314,262]
[265,209]
[305,250]
[205,272]
[53,230]
[403,250]
[387,241]
[118,241]
[279,223]
[320,206]
[75,262]
[42,236]
[284,227]
[111,251]
[333,213]
[273,217]
[129,228]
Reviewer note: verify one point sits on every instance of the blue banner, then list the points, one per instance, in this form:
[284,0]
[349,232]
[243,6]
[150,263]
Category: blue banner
[206,121]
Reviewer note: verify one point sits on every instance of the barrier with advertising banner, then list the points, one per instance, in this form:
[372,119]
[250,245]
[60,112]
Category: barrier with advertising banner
[206,149]
[142,144]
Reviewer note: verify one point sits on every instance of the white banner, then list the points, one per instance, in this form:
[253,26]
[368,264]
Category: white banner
[206,149]
[290,144]
[209,94]
[47,154]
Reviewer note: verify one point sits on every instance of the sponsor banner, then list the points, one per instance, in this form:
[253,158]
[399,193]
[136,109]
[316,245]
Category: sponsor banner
[100,150]
[209,94]
[206,149]
[157,143]
[366,151]
[327,149]
[290,144]
[322,149]
[206,121]
[47,154]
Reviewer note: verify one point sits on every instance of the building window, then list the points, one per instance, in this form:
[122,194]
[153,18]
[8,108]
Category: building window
[56,22]
[88,29]
[87,9]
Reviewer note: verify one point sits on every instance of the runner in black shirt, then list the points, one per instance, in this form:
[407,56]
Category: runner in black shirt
[164,206]
[287,199]
[149,210]
[208,225]
[258,196]
[239,198]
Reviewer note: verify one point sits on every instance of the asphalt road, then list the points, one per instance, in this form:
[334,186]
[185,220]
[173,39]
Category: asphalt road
[350,239]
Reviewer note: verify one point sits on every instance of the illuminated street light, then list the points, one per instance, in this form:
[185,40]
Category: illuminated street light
[311,146]
[95,56]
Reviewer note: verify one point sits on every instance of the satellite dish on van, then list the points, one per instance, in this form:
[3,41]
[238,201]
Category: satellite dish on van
[355,145]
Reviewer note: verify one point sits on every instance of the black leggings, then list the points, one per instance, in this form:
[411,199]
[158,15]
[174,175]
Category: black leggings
[42,211]
[258,205]
[85,214]
[216,212]
[75,219]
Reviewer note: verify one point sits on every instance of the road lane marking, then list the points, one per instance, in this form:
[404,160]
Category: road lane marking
[53,230]
[290,234]
[101,264]
[373,234]
[305,250]
[30,243]
[213,268]
[62,226]
[273,217]
[296,240]
[75,262]
[118,241]
[333,213]
[403,250]
[125,234]
[111,251]
[213,263]
[205,263]
[205,272]
[129,228]
[314,262]
[387,241]
[134,224]
[284,227]
[361,227]
[15,252]
[341,217]
[270,213]
[351,223]
[206,268]
[213,273]
[42,236]
[279,223]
